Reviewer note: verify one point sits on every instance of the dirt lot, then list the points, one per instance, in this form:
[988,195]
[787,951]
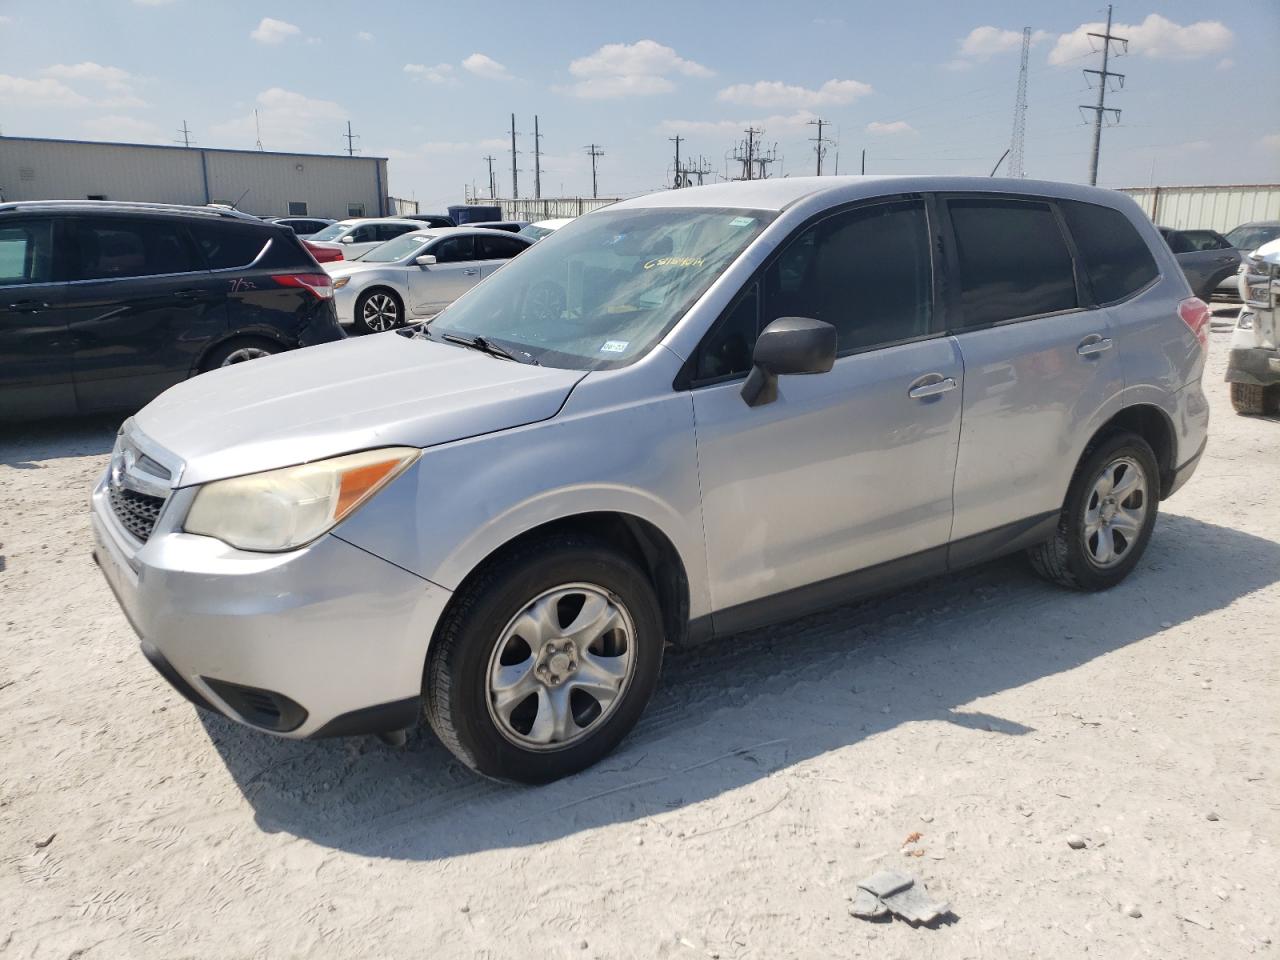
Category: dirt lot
[988,712]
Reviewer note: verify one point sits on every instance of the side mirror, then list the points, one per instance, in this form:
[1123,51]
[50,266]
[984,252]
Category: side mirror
[426,260]
[348,239]
[789,345]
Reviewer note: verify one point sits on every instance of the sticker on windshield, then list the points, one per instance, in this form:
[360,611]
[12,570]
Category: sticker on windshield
[742,221]
[674,262]
[615,346]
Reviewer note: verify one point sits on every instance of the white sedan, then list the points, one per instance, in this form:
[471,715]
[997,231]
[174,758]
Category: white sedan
[417,275]
[360,235]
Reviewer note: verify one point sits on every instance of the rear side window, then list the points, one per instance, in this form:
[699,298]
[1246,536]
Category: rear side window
[1014,261]
[229,246]
[389,231]
[104,249]
[497,248]
[1116,257]
[26,252]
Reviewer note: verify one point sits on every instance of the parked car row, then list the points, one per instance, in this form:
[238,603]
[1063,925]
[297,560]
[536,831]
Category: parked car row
[1211,260]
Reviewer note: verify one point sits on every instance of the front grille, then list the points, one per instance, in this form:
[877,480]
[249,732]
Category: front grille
[137,512]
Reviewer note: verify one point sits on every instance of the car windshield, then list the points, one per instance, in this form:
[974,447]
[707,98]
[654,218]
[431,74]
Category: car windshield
[1249,237]
[397,249]
[332,232]
[534,232]
[599,293]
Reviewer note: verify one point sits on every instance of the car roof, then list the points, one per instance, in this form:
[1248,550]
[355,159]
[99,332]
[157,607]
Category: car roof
[553,223]
[454,231]
[361,221]
[125,206]
[780,193]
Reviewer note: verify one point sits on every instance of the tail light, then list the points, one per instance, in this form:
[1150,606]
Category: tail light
[320,284]
[1195,314]
[323,254]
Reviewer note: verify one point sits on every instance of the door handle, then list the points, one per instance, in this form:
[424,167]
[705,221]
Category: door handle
[922,391]
[29,306]
[192,294]
[1093,344]
[470,273]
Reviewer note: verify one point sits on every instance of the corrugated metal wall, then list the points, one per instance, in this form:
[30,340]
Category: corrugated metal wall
[547,208]
[1208,208]
[330,186]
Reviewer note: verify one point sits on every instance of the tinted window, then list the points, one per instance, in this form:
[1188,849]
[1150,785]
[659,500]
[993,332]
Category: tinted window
[26,251]
[1178,241]
[366,234]
[866,272]
[727,350]
[1013,261]
[105,249]
[453,250]
[227,246]
[497,248]
[1206,240]
[1116,257]
[389,231]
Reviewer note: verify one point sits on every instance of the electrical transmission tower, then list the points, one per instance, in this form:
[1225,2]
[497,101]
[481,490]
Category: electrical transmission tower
[1020,111]
[351,140]
[1101,108]
[493,184]
[753,159]
[818,141]
[257,126]
[186,135]
[537,160]
[515,181]
[594,152]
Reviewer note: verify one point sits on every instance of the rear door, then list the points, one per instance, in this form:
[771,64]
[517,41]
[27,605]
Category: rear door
[434,287]
[1040,364]
[35,343]
[141,308]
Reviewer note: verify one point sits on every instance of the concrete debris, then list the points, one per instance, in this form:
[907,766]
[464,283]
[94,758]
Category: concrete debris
[1211,815]
[1131,910]
[888,891]
[1076,842]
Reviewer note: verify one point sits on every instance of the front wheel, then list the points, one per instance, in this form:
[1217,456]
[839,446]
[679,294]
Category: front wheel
[545,660]
[1107,519]
[1249,399]
[378,311]
[238,351]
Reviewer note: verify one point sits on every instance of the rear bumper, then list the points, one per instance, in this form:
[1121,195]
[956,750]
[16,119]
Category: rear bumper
[324,641]
[1255,365]
[1183,473]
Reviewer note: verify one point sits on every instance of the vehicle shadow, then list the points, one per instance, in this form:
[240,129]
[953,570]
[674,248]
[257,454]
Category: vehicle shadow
[25,446]
[736,710]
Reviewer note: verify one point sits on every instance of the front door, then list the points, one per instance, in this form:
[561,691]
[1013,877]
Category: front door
[35,345]
[1040,366]
[455,271]
[847,470]
[141,308]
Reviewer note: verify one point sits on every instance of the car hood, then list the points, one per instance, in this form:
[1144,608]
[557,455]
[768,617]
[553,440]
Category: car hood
[373,391]
[345,268]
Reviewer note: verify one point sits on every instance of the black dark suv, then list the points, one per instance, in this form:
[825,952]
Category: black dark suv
[104,305]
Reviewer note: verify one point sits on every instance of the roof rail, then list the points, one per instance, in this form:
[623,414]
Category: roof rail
[129,205]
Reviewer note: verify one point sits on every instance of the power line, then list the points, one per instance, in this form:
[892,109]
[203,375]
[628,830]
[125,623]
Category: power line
[537,160]
[186,135]
[351,141]
[594,152]
[818,148]
[1101,109]
[1020,112]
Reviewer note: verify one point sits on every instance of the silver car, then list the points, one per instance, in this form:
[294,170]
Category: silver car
[357,236]
[417,274]
[684,415]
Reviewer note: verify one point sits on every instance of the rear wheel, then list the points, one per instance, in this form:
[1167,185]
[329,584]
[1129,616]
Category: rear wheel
[1107,519]
[378,310]
[1249,399]
[545,660]
[238,351]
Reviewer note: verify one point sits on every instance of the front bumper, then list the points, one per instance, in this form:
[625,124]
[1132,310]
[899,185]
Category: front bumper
[1256,365]
[330,629]
[344,302]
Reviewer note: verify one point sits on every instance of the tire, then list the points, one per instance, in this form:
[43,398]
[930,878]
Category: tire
[378,310]
[1077,558]
[1249,399]
[479,649]
[238,351]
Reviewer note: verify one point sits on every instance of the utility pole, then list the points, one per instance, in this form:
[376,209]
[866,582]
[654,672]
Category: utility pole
[703,168]
[864,161]
[537,160]
[257,126]
[819,149]
[351,141]
[751,147]
[1020,111]
[493,184]
[679,180]
[515,182]
[1101,108]
[186,135]
[594,151]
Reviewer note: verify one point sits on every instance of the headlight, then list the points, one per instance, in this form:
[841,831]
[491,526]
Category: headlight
[287,508]
[1244,321]
[341,282]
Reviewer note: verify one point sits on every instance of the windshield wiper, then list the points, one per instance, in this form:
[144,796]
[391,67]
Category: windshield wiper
[485,346]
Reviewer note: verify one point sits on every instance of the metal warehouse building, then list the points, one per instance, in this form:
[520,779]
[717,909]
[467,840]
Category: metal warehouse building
[258,182]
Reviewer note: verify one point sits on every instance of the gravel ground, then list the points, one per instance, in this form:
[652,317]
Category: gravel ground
[988,712]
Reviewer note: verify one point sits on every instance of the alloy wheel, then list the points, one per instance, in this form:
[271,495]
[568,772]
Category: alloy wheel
[380,313]
[243,354]
[1115,512]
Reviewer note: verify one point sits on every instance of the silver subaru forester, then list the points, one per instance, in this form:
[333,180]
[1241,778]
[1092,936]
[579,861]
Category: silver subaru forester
[681,416]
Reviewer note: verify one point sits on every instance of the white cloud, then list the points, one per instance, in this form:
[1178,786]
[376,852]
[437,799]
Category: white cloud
[365,35]
[122,127]
[44,92]
[440,73]
[1156,37]
[773,94]
[982,43]
[90,72]
[637,69]
[273,31]
[890,128]
[775,124]
[5,21]
[289,121]
[485,66]
[1226,63]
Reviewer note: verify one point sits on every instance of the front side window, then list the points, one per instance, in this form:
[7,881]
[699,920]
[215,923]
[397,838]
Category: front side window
[1206,240]
[297,208]
[26,251]
[1013,260]
[106,249]
[366,234]
[454,250]
[1117,259]
[333,231]
[497,248]
[1251,236]
[602,291]
[397,249]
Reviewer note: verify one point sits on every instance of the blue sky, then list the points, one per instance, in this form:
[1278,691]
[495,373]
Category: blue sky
[921,87]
